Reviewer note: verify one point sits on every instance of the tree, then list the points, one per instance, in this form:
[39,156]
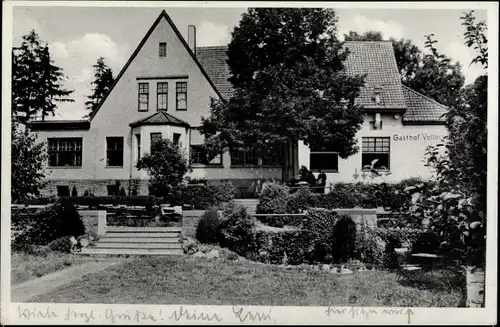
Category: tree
[27,164]
[367,36]
[102,84]
[166,166]
[437,77]
[432,74]
[456,205]
[37,84]
[286,68]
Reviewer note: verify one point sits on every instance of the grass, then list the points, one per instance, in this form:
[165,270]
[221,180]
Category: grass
[188,280]
[25,266]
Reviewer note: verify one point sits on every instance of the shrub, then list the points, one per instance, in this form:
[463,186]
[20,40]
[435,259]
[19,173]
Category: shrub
[207,228]
[235,232]
[292,247]
[341,196]
[273,198]
[222,192]
[61,244]
[301,200]
[202,197]
[319,224]
[59,220]
[166,166]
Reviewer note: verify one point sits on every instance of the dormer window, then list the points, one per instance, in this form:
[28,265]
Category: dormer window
[162,52]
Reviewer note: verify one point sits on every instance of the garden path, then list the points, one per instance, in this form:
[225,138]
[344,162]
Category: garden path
[25,291]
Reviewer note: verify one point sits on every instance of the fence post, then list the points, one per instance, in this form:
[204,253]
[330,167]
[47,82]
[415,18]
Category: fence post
[101,222]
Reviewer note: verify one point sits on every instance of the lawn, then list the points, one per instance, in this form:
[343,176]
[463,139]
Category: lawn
[189,280]
[30,266]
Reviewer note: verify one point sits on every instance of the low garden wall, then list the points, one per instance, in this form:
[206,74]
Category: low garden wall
[94,221]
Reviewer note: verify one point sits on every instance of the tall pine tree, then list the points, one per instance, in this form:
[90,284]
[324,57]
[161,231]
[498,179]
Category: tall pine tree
[37,84]
[102,84]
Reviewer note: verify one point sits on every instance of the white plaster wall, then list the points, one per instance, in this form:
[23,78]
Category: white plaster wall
[406,157]
[83,172]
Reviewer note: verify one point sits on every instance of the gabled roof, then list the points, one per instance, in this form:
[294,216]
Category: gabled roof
[377,60]
[160,118]
[213,59]
[422,109]
[163,14]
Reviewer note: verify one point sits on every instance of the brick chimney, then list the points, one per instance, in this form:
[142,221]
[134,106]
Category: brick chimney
[192,38]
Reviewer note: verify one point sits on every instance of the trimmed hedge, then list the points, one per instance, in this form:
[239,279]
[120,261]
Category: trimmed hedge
[43,226]
[286,247]
[199,196]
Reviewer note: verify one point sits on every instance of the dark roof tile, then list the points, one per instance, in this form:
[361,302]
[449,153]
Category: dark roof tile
[422,108]
[374,58]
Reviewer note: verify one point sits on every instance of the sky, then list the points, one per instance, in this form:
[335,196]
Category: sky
[77,36]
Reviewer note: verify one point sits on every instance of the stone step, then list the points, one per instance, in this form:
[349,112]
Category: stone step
[121,251]
[124,229]
[137,245]
[141,235]
[140,239]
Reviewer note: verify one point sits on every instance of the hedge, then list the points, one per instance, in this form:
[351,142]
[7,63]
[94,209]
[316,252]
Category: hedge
[199,197]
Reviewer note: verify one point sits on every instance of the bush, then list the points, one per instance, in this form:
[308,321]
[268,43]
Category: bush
[59,220]
[235,232]
[273,198]
[319,224]
[61,244]
[285,247]
[202,197]
[222,192]
[208,226]
[166,165]
[301,200]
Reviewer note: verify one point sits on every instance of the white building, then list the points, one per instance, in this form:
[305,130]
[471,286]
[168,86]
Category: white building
[164,90]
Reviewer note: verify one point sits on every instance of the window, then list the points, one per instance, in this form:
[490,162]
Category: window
[275,158]
[243,158]
[155,137]
[375,148]
[323,157]
[181,95]
[162,50]
[176,138]
[62,190]
[138,139]
[200,156]
[143,96]
[162,96]
[65,152]
[113,190]
[114,151]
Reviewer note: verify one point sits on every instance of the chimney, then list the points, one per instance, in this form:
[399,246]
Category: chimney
[192,38]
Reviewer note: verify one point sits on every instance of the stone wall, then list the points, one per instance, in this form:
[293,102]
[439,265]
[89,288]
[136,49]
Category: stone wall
[95,187]
[190,220]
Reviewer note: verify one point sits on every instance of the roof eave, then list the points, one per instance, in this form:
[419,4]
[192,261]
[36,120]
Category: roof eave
[59,125]
[423,122]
